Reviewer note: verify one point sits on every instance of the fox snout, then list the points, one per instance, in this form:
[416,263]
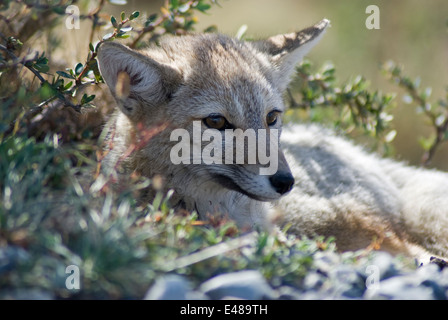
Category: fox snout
[282,182]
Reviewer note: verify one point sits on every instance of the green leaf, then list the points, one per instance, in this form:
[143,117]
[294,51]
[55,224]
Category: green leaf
[211,29]
[390,136]
[88,105]
[78,68]
[174,4]
[125,29]
[123,15]
[72,73]
[65,75]
[58,84]
[86,98]
[151,19]
[184,8]
[68,85]
[97,74]
[203,6]
[46,91]
[134,15]
[241,32]
[41,67]
[123,36]
[109,36]
[42,59]
[426,143]
[114,21]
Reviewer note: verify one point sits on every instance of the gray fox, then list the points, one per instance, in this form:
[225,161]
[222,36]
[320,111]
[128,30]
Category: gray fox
[322,183]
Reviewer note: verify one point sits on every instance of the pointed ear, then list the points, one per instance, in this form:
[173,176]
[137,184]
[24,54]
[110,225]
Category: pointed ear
[136,81]
[286,50]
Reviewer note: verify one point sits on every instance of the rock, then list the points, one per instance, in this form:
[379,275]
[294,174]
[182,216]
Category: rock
[442,264]
[315,295]
[346,282]
[172,287]
[399,288]
[385,265]
[431,277]
[422,284]
[248,285]
[437,290]
[288,293]
[325,261]
[313,281]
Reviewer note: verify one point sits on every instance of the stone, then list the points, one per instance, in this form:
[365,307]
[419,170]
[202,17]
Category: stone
[248,285]
[172,287]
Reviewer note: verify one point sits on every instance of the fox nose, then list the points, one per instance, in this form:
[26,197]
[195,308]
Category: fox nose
[282,182]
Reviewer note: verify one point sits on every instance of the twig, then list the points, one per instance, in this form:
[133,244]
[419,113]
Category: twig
[16,60]
[94,16]
[440,129]
[38,108]
[25,63]
[146,30]
[86,67]
[440,138]
[210,252]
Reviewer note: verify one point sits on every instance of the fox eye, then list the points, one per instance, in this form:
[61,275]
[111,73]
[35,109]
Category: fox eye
[216,121]
[272,117]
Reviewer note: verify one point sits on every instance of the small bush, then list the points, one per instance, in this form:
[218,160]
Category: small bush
[56,210]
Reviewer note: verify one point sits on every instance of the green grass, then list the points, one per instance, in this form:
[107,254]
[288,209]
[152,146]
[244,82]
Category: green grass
[55,211]
[52,216]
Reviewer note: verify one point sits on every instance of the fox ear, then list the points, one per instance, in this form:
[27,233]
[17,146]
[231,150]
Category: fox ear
[136,81]
[286,50]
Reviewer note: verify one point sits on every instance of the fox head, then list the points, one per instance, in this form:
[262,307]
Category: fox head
[217,82]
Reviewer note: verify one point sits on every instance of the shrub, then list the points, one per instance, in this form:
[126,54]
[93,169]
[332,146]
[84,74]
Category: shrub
[53,214]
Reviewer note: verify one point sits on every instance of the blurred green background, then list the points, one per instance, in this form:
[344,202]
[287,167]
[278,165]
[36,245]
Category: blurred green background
[413,33]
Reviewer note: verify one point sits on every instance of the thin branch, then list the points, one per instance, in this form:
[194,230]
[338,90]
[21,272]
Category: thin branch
[23,62]
[146,30]
[33,111]
[86,67]
[210,252]
[94,16]
[440,138]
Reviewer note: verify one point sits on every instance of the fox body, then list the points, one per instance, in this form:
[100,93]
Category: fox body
[324,184]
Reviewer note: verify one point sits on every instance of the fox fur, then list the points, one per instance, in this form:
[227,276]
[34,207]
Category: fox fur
[339,190]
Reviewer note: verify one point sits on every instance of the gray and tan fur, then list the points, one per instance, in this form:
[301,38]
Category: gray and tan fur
[339,189]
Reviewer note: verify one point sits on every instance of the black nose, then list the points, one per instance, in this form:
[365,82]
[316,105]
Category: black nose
[282,182]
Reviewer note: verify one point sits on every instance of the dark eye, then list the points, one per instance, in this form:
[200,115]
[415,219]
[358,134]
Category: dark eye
[272,118]
[216,121]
